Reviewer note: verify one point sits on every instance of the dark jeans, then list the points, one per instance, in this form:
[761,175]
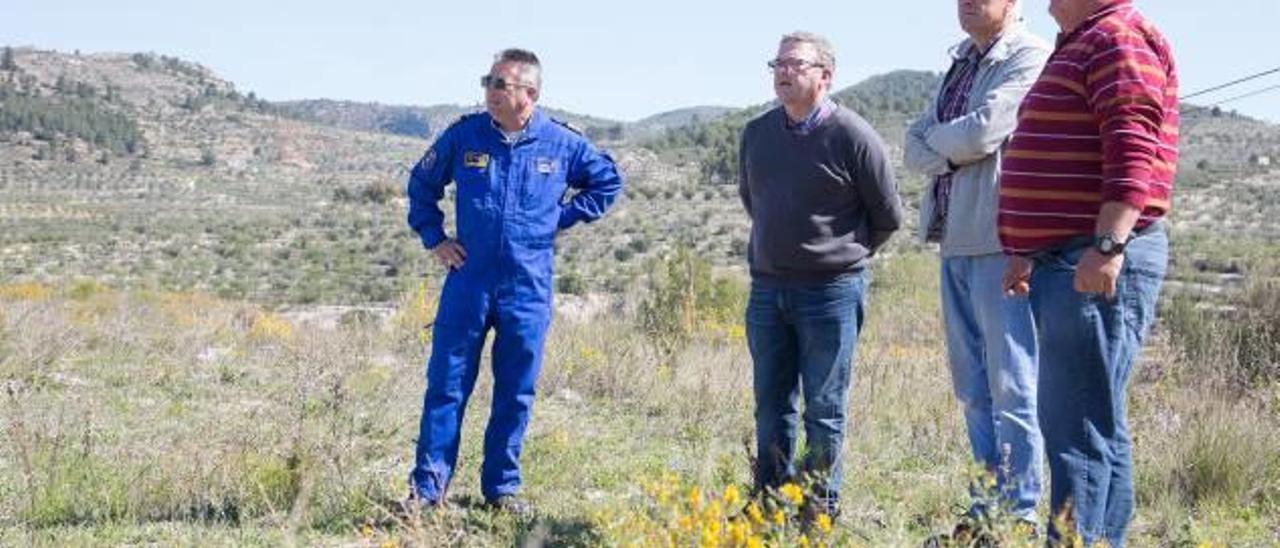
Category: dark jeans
[1088,346]
[802,338]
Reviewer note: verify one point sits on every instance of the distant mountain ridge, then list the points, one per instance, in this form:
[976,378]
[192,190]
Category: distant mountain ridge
[160,110]
[410,121]
[427,122]
[887,101]
[144,168]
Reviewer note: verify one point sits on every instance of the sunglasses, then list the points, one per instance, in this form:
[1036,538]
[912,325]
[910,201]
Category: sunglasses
[498,83]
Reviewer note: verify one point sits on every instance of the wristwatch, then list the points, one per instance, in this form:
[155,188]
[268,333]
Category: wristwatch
[1108,244]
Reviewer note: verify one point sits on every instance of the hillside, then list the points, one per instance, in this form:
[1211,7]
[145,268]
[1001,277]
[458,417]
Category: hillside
[222,192]
[424,122]
[146,170]
[888,102]
[655,125]
[187,116]
[428,122]
[213,322]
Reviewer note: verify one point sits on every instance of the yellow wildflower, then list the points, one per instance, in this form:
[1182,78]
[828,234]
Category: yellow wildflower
[28,291]
[713,512]
[738,531]
[824,523]
[803,541]
[268,327]
[695,498]
[792,493]
[754,514]
[711,534]
[779,517]
[731,495]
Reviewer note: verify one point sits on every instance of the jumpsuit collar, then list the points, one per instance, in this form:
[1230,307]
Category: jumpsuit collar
[537,122]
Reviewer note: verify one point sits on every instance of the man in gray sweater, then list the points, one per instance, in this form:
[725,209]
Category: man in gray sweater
[820,191]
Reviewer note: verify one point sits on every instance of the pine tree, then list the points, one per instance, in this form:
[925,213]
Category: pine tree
[6,60]
[207,156]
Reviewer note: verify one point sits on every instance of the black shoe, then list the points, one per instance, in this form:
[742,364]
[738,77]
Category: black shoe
[413,505]
[963,534]
[510,504]
[1028,529]
[974,535]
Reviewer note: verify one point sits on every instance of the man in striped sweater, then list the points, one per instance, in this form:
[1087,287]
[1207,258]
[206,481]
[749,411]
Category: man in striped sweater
[1087,178]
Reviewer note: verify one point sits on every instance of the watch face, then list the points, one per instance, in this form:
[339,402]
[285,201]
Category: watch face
[1106,244]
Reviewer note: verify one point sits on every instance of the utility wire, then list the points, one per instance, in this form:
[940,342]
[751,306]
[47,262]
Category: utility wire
[1229,84]
[1250,94]
[1188,108]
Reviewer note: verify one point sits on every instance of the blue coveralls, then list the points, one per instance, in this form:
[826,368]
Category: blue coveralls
[510,205]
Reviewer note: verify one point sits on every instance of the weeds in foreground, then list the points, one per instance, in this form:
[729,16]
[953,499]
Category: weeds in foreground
[676,512]
[140,417]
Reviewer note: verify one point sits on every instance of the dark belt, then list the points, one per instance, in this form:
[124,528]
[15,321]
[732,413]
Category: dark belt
[1077,242]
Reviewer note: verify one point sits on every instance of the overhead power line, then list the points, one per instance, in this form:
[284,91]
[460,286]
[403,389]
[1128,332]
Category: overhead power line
[1229,84]
[1244,95]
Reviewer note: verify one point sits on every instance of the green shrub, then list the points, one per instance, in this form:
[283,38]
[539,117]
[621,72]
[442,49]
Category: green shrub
[683,296]
[1241,337]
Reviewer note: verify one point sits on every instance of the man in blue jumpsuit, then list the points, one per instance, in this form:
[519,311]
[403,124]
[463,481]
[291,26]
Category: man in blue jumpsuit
[513,166]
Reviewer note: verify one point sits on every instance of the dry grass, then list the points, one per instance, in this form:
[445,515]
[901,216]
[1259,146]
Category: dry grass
[138,417]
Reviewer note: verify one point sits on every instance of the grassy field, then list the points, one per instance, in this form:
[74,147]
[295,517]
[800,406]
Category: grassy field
[219,340]
[135,417]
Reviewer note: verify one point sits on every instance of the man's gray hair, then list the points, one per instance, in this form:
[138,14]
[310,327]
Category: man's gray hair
[826,53]
[532,67]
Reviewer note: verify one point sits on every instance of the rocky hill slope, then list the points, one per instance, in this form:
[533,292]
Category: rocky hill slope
[144,169]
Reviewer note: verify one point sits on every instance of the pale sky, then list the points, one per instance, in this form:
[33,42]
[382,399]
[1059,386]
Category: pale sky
[621,60]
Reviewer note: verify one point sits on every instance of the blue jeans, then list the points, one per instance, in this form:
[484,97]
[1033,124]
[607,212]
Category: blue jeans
[1089,344]
[991,347]
[802,338]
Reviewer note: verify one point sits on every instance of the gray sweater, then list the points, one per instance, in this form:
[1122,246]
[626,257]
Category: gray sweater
[820,203]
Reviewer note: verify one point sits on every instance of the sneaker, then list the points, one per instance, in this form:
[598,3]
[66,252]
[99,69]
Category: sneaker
[510,504]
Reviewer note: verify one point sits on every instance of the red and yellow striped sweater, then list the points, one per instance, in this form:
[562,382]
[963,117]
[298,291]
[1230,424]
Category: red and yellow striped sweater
[1099,125]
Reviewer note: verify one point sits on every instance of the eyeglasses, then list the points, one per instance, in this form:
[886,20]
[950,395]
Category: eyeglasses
[498,83]
[779,65]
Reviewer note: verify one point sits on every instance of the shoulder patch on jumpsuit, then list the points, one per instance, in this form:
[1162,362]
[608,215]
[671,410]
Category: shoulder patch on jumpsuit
[568,126]
[429,159]
[462,118]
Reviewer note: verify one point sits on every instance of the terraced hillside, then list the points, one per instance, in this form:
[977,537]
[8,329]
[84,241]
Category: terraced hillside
[146,170]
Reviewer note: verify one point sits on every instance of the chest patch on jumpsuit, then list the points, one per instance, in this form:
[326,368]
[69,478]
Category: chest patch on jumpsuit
[477,160]
[545,165]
